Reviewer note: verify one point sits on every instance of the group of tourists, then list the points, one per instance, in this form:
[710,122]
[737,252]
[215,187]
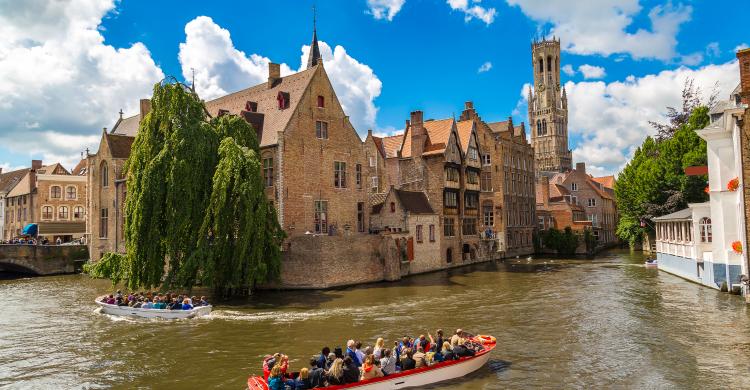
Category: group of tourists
[155,300]
[356,363]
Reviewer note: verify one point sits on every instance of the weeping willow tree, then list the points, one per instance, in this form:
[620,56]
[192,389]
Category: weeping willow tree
[196,211]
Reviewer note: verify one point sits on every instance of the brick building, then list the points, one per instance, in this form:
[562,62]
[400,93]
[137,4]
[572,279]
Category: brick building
[376,179]
[557,208]
[8,180]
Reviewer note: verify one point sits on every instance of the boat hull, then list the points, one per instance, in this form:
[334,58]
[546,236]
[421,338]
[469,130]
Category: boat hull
[413,378]
[153,313]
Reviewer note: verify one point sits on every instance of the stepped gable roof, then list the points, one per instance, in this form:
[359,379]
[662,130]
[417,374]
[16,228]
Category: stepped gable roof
[275,120]
[127,126]
[464,133]
[682,215]
[120,145]
[414,202]
[9,180]
[392,144]
[606,181]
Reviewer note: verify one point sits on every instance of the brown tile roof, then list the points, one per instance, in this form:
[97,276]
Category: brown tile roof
[518,130]
[8,180]
[464,133]
[378,198]
[414,202]
[119,145]
[127,126]
[438,134]
[53,169]
[80,168]
[275,120]
[392,145]
[379,145]
[557,190]
[607,181]
[499,127]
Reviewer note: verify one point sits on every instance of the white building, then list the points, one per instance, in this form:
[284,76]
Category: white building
[696,243]
[8,180]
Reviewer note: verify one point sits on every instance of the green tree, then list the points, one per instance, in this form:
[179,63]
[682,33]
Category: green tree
[196,210]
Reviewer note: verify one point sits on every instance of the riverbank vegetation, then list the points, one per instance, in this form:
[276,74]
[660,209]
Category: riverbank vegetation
[196,211]
[653,183]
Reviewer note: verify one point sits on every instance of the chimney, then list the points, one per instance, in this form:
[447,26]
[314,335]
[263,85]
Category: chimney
[145,107]
[1,170]
[274,74]
[744,59]
[36,164]
[369,132]
[418,136]
[468,112]
[581,167]
[544,183]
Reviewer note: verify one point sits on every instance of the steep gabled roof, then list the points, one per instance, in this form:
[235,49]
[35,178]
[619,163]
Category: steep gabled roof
[438,134]
[275,120]
[127,126]
[53,169]
[392,144]
[464,133]
[119,145]
[378,141]
[8,180]
[607,181]
[80,168]
[414,202]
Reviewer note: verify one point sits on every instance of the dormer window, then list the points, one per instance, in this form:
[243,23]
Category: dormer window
[251,106]
[283,99]
[321,101]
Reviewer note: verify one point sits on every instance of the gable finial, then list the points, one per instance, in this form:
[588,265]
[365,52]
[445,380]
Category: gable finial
[314,56]
[121,113]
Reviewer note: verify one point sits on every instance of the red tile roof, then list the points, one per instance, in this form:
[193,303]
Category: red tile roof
[607,181]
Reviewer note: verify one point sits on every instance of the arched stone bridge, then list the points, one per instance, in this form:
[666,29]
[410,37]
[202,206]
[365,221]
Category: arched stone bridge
[42,259]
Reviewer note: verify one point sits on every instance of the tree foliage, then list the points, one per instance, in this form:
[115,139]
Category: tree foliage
[196,211]
[563,242]
[653,183]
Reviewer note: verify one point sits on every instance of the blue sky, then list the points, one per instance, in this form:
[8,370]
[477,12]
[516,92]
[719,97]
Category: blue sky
[68,69]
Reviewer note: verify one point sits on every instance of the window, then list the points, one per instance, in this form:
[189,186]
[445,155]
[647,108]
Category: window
[449,229]
[486,159]
[541,223]
[55,192]
[488,215]
[451,174]
[105,175]
[541,65]
[70,192]
[321,101]
[103,218]
[374,183]
[78,212]
[283,99]
[473,153]
[538,127]
[705,228]
[47,212]
[268,171]
[321,216]
[574,186]
[432,233]
[62,212]
[339,174]
[486,184]
[321,129]
[451,199]
[393,207]
[373,161]
[360,217]
[470,227]
[471,200]
[358,176]
[472,177]
[592,202]
[419,233]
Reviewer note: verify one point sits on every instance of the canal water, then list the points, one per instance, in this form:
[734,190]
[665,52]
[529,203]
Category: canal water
[600,323]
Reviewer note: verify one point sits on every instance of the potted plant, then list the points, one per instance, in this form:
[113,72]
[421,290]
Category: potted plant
[733,184]
[737,247]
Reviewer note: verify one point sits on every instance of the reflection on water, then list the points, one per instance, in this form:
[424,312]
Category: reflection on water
[607,322]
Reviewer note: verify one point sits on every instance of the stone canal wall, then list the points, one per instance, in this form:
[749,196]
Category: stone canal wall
[42,259]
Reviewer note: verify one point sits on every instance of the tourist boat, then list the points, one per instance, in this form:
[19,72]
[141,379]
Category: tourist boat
[651,263]
[153,313]
[413,378]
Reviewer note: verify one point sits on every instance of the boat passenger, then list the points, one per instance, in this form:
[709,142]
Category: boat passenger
[335,376]
[204,302]
[329,361]
[351,371]
[422,342]
[339,353]
[447,352]
[437,343]
[378,350]
[407,362]
[302,381]
[317,377]
[456,338]
[138,304]
[123,302]
[147,304]
[160,304]
[321,361]
[111,300]
[351,348]
[462,351]
[275,380]
[419,357]
[370,369]
[186,305]
[174,305]
[388,362]
[360,355]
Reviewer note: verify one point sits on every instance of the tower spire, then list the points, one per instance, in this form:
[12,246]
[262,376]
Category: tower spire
[314,57]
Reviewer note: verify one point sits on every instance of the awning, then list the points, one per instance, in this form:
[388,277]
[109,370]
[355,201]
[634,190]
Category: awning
[62,228]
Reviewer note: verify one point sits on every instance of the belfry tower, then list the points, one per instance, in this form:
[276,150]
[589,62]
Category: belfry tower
[548,110]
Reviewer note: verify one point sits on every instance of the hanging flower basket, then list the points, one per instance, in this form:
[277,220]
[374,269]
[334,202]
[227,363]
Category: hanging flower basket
[734,184]
[707,190]
[737,247]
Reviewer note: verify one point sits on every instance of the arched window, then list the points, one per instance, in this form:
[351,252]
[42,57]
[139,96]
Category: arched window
[78,212]
[541,65]
[62,212]
[105,174]
[47,212]
[544,126]
[705,227]
[538,127]
[70,192]
[549,64]
[55,192]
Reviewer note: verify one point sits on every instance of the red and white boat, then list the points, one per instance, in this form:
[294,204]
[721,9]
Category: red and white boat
[413,378]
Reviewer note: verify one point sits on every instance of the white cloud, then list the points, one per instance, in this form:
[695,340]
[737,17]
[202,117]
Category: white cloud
[485,67]
[592,72]
[472,9]
[612,118]
[606,26]
[713,50]
[384,9]
[568,70]
[60,82]
[220,68]
[741,46]
[692,59]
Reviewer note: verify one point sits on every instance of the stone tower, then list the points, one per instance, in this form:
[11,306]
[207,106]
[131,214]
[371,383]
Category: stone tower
[548,110]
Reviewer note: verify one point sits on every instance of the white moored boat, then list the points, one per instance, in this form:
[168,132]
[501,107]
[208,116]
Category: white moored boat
[153,313]
[413,378]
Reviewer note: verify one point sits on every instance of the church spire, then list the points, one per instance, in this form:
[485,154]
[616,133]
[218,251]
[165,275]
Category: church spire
[314,56]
